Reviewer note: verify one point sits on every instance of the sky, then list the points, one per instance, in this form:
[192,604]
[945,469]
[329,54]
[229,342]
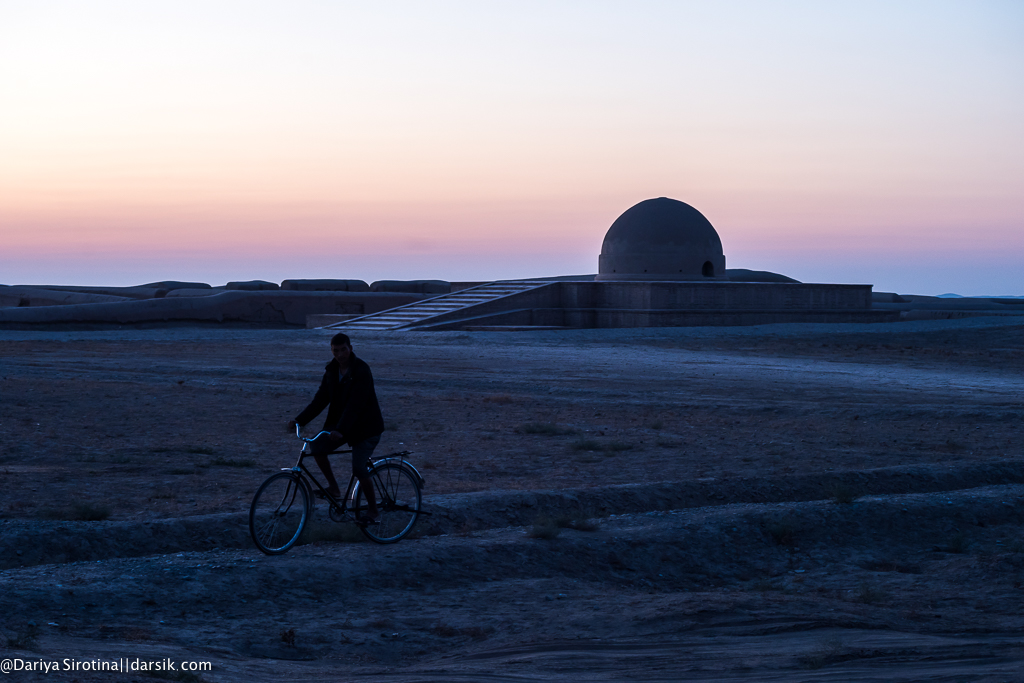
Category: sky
[870,142]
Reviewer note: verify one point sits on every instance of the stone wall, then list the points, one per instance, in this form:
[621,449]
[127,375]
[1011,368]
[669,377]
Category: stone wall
[268,307]
[713,296]
[670,304]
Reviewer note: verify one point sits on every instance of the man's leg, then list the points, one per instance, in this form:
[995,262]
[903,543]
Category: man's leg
[361,453]
[325,466]
[366,486]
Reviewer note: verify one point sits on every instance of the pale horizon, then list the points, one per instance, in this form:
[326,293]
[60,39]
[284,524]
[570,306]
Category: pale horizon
[868,144]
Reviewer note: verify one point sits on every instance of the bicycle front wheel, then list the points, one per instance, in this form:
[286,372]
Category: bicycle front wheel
[279,510]
[398,499]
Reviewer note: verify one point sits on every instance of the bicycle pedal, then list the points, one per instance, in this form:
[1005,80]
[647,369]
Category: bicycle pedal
[366,522]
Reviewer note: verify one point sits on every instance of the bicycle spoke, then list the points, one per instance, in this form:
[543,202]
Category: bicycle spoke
[278,513]
[399,503]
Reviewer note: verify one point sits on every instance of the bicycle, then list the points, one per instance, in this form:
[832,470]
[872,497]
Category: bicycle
[284,503]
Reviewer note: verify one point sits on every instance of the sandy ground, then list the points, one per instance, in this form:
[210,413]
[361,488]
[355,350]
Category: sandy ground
[788,502]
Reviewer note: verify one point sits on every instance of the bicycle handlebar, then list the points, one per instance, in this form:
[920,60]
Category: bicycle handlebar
[298,433]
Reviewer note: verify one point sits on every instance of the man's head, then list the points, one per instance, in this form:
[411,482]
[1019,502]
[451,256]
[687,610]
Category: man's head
[341,348]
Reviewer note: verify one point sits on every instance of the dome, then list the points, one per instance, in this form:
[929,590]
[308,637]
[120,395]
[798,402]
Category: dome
[661,239]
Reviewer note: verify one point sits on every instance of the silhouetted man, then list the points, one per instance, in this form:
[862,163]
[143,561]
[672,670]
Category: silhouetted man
[354,417]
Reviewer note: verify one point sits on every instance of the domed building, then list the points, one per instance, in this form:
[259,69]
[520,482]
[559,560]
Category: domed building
[661,265]
[664,240]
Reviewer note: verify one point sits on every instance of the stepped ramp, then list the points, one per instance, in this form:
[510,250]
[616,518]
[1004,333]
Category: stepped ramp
[423,312]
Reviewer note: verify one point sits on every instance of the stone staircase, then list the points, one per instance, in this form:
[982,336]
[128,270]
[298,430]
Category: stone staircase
[412,315]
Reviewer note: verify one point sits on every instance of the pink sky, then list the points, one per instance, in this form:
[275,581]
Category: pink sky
[257,141]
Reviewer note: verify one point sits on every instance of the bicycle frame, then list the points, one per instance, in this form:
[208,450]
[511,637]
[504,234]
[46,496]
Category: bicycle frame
[351,491]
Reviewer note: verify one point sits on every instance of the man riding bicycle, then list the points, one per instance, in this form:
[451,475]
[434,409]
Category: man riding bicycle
[354,417]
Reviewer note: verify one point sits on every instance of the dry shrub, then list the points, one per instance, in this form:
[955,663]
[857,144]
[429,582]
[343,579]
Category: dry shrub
[958,542]
[544,428]
[89,512]
[545,528]
[829,651]
[842,494]
[449,631]
[231,462]
[782,532]
[594,445]
[586,445]
[765,584]
[179,676]
[78,511]
[136,634]
[24,636]
[888,565]
[330,532]
[288,637]
[475,632]
[869,595]
[579,522]
[444,630]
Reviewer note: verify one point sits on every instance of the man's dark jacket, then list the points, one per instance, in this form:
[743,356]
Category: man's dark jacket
[354,409]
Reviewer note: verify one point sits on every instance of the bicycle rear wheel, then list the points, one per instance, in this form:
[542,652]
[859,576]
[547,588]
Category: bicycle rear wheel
[279,510]
[398,499]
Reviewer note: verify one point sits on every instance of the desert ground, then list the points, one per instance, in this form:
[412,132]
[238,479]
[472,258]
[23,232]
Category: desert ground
[772,503]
